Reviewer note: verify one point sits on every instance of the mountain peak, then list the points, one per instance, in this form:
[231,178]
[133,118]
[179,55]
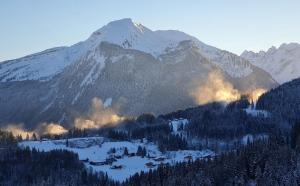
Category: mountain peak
[126,22]
[131,35]
[289,46]
[121,27]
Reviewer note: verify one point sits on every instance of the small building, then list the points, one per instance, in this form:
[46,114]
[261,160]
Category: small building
[95,163]
[117,156]
[116,167]
[164,164]
[160,159]
[85,161]
[150,165]
[110,160]
[188,158]
[151,157]
[131,154]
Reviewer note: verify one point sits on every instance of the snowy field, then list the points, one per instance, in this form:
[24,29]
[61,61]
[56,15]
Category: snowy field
[96,152]
[256,113]
[178,124]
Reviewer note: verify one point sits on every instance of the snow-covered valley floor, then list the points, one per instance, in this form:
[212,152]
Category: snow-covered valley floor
[108,156]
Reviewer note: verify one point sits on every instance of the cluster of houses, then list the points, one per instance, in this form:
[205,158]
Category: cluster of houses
[151,164]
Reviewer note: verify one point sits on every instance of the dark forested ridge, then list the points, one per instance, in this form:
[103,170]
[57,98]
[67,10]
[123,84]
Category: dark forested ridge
[274,161]
[283,100]
[271,162]
[24,167]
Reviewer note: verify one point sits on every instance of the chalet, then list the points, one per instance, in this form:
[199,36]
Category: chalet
[150,165]
[151,157]
[188,158]
[160,159]
[164,164]
[117,156]
[116,167]
[85,161]
[131,154]
[110,160]
[97,163]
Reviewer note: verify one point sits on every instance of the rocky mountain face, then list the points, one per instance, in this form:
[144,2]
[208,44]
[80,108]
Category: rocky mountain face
[282,63]
[131,68]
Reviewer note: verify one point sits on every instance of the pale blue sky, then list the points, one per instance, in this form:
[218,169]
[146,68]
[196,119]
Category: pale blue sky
[29,26]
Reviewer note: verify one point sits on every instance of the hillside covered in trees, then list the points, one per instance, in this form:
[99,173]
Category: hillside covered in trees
[269,157]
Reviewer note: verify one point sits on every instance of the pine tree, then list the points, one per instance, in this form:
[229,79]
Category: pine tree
[295,135]
[125,152]
[144,152]
[67,143]
[139,151]
[34,137]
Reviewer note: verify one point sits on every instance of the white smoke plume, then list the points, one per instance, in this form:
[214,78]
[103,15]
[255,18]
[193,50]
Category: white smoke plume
[255,94]
[98,117]
[42,129]
[50,128]
[215,89]
[18,130]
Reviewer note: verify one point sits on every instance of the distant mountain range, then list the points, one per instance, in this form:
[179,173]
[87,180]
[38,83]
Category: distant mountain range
[130,67]
[282,63]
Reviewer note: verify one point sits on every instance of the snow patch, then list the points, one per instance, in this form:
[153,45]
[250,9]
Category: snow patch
[249,138]
[178,124]
[95,70]
[107,102]
[256,113]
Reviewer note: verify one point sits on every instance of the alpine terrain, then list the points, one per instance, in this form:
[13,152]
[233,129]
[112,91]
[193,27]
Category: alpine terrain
[131,68]
[283,63]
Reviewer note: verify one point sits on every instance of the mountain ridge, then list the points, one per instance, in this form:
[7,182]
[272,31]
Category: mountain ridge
[125,33]
[283,63]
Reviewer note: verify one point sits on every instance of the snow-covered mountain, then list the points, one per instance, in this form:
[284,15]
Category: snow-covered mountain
[138,70]
[125,33]
[283,63]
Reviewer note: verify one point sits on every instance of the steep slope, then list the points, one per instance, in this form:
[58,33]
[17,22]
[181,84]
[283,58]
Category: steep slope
[282,63]
[135,69]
